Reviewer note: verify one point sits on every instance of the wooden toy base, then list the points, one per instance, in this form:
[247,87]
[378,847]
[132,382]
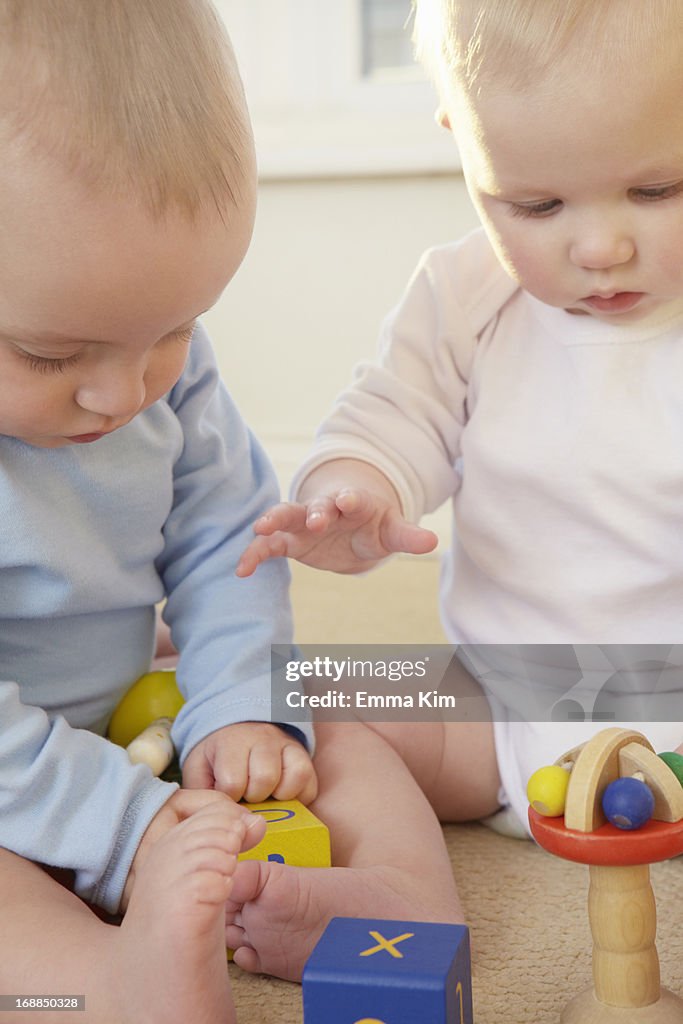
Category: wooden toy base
[585,1009]
[621,903]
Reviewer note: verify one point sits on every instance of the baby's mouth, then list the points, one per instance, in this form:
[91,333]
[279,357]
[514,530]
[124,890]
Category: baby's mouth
[618,302]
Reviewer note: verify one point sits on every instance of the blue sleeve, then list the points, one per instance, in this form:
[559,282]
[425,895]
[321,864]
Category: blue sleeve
[71,799]
[223,626]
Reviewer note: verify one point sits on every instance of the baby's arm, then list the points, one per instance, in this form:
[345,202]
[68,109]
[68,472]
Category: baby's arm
[224,627]
[389,450]
[72,799]
[347,518]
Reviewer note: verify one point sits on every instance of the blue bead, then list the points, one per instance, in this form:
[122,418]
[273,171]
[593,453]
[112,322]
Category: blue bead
[628,803]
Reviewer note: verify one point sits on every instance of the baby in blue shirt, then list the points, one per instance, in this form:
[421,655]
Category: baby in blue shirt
[127,200]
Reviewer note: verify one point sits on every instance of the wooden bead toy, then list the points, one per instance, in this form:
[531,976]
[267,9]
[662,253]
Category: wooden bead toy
[388,972]
[674,762]
[628,803]
[143,718]
[152,696]
[547,790]
[621,904]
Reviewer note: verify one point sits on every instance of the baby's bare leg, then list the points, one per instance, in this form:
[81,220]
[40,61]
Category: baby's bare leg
[164,965]
[52,944]
[375,790]
[454,763]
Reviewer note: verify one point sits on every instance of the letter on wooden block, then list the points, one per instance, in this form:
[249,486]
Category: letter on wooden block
[293,835]
[389,972]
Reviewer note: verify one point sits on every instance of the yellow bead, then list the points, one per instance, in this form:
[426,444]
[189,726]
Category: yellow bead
[154,695]
[547,790]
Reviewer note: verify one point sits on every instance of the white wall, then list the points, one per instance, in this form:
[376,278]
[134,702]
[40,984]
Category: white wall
[329,258]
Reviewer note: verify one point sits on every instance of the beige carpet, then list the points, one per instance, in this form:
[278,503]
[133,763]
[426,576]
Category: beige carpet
[526,909]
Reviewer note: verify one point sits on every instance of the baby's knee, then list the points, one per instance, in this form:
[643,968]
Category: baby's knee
[16,870]
[23,883]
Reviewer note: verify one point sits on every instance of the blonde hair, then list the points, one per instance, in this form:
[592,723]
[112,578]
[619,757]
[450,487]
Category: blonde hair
[468,42]
[138,97]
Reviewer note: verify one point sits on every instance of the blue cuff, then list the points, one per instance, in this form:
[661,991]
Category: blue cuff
[295,733]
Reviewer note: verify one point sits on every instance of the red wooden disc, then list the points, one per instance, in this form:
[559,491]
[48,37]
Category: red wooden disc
[608,845]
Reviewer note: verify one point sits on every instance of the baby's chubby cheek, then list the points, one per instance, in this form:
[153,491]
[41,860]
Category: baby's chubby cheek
[521,263]
[533,269]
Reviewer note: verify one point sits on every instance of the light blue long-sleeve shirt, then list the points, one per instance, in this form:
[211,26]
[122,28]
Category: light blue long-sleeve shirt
[93,536]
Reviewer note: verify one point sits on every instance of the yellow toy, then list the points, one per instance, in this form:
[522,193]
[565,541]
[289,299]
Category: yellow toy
[142,719]
[547,790]
[621,903]
[293,835]
[142,723]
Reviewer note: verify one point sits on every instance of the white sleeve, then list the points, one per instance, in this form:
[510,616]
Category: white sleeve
[405,414]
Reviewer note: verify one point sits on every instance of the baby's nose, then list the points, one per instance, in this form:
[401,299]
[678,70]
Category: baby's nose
[116,393]
[600,251]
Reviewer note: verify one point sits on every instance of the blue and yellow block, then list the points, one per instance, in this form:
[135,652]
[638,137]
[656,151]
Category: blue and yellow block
[293,835]
[389,972]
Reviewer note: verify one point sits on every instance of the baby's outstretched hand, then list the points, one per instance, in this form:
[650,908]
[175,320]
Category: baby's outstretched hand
[346,532]
[252,761]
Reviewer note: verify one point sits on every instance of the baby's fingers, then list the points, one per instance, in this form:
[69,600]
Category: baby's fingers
[357,505]
[398,535]
[298,780]
[321,513]
[289,517]
[260,550]
[286,516]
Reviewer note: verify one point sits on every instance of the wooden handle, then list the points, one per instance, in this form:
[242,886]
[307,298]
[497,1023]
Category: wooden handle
[623,920]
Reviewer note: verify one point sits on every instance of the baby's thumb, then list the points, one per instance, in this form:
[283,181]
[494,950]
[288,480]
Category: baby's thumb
[398,535]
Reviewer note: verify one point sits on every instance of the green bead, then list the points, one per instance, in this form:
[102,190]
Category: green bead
[675,763]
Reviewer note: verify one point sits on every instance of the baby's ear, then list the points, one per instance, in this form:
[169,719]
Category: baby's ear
[442,118]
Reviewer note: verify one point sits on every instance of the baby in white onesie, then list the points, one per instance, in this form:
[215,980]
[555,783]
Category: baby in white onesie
[533,375]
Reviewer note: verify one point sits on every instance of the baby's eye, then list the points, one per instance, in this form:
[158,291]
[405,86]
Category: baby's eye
[42,365]
[541,209]
[184,335]
[658,192]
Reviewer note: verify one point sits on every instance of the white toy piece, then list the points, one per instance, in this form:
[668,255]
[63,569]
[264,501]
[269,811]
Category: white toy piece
[154,746]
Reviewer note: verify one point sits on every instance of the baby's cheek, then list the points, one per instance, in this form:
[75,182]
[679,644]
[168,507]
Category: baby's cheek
[517,259]
[28,407]
[540,274]
[522,262]
[162,375]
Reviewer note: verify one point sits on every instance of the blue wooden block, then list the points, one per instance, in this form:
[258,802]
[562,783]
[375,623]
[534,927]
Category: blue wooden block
[389,972]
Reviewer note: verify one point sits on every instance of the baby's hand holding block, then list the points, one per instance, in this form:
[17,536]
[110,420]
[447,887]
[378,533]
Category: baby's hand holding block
[389,972]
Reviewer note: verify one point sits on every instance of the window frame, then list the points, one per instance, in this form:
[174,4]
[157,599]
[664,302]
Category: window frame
[315,113]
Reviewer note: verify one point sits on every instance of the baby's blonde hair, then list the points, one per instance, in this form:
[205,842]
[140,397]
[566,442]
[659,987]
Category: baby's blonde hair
[468,42]
[137,97]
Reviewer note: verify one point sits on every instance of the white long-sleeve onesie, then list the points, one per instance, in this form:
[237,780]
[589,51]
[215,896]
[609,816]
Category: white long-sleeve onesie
[557,437]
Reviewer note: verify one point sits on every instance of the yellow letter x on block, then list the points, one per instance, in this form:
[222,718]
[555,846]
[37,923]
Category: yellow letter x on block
[387,944]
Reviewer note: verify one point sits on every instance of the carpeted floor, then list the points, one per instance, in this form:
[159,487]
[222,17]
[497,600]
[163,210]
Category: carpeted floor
[526,909]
